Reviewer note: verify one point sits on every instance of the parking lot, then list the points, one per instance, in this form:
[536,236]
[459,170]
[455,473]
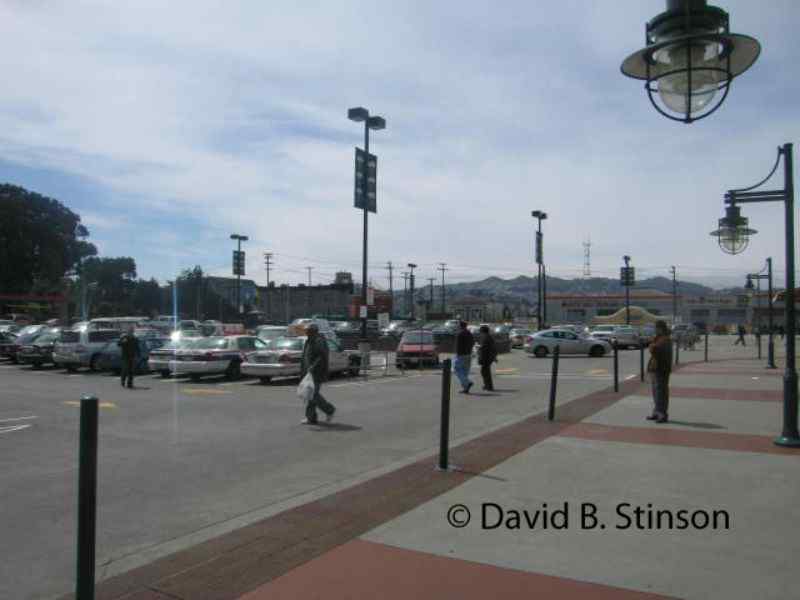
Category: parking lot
[182,461]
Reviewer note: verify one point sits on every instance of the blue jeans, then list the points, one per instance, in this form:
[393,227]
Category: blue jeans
[461,367]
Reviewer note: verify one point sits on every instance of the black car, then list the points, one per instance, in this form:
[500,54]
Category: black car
[39,351]
[24,336]
[7,342]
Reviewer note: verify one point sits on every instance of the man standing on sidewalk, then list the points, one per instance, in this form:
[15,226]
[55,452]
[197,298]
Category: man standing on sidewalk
[464,343]
[659,368]
[129,346]
[315,360]
[741,332]
[487,354]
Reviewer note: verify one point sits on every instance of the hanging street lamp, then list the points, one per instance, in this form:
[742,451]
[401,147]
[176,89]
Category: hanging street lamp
[733,234]
[690,59]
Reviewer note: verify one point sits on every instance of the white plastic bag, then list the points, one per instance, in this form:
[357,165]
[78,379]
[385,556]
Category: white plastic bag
[305,391]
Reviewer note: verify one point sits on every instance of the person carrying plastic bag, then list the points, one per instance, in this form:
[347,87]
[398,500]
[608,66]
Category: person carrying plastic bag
[315,364]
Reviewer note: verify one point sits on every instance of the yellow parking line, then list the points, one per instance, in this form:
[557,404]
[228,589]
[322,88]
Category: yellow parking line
[203,392]
[597,372]
[101,404]
[505,371]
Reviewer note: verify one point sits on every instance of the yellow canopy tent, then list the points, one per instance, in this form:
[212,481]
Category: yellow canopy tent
[639,317]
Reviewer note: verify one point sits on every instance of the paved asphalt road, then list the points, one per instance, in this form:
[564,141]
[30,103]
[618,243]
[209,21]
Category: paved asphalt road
[181,462]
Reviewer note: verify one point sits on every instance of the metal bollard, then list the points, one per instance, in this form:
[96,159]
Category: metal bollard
[551,409]
[677,351]
[444,435]
[87,499]
[758,340]
[706,349]
[771,353]
[641,362]
[616,367]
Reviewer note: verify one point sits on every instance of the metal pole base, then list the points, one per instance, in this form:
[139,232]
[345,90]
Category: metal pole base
[787,442]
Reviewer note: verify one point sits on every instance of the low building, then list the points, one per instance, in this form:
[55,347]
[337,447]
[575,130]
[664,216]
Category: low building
[284,303]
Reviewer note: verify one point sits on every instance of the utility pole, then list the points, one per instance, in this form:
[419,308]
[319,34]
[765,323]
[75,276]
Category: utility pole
[308,295]
[405,293]
[442,268]
[674,296]
[627,282]
[391,288]
[430,282]
[268,263]
[238,269]
[411,266]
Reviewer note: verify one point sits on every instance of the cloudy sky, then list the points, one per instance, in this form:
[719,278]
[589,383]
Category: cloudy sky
[170,125]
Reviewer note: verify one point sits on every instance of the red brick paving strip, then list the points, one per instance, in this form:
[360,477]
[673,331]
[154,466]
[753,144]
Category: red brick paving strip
[665,436]
[230,565]
[361,569]
[726,394]
[733,373]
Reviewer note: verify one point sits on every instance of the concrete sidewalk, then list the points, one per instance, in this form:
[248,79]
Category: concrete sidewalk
[599,503]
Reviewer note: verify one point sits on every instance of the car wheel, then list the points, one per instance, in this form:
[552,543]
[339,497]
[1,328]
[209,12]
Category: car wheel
[234,370]
[194,377]
[37,365]
[94,364]
[116,372]
[265,380]
[354,371]
[164,374]
[71,368]
[540,352]
[597,351]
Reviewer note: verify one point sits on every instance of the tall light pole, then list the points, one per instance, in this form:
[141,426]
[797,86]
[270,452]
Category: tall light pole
[268,263]
[411,266]
[238,269]
[443,268]
[358,115]
[674,295]
[539,250]
[733,235]
[627,281]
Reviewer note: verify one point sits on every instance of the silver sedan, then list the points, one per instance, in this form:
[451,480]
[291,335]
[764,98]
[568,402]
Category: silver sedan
[544,342]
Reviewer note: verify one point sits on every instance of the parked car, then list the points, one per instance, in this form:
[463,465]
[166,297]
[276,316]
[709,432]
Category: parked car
[271,332]
[397,328]
[625,335]
[111,356]
[416,347]
[646,334]
[7,343]
[544,342]
[8,325]
[39,351]
[159,358]
[215,356]
[685,335]
[518,337]
[282,358]
[76,349]
[26,335]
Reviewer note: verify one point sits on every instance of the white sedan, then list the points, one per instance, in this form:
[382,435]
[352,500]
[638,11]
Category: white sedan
[215,356]
[282,357]
[544,342]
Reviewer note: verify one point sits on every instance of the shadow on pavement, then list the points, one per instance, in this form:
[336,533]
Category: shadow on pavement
[697,425]
[335,427]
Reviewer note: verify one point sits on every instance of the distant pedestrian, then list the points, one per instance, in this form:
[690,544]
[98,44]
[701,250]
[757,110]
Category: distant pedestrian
[463,362]
[487,354]
[315,361]
[130,353]
[741,331]
[659,368]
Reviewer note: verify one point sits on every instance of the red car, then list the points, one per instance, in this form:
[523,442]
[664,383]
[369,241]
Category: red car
[416,348]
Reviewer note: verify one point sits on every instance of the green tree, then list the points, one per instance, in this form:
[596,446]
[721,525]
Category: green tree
[115,279]
[39,242]
[147,297]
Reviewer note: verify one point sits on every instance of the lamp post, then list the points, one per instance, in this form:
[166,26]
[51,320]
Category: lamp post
[411,266]
[749,285]
[238,269]
[733,235]
[539,250]
[361,114]
[690,58]
[674,295]
[627,282]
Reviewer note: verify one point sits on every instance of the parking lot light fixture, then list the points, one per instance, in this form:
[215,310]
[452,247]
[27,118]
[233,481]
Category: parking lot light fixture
[733,233]
[541,291]
[239,239]
[690,58]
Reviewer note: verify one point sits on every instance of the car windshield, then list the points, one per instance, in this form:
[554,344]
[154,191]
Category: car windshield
[418,337]
[212,343]
[288,343]
[29,330]
[47,338]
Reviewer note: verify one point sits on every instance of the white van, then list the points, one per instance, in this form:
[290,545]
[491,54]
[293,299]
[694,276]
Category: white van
[76,349]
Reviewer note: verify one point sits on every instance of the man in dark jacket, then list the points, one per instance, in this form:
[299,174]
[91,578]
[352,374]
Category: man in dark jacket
[463,361]
[487,354]
[741,331]
[659,368]
[130,353]
[315,361]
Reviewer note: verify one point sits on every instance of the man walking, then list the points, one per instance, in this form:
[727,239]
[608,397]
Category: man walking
[464,343]
[487,354]
[315,361]
[659,367]
[130,353]
[741,332]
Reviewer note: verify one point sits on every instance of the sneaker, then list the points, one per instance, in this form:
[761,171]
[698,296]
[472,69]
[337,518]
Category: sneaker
[308,422]
[329,417]
[469,387]
[651,417]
